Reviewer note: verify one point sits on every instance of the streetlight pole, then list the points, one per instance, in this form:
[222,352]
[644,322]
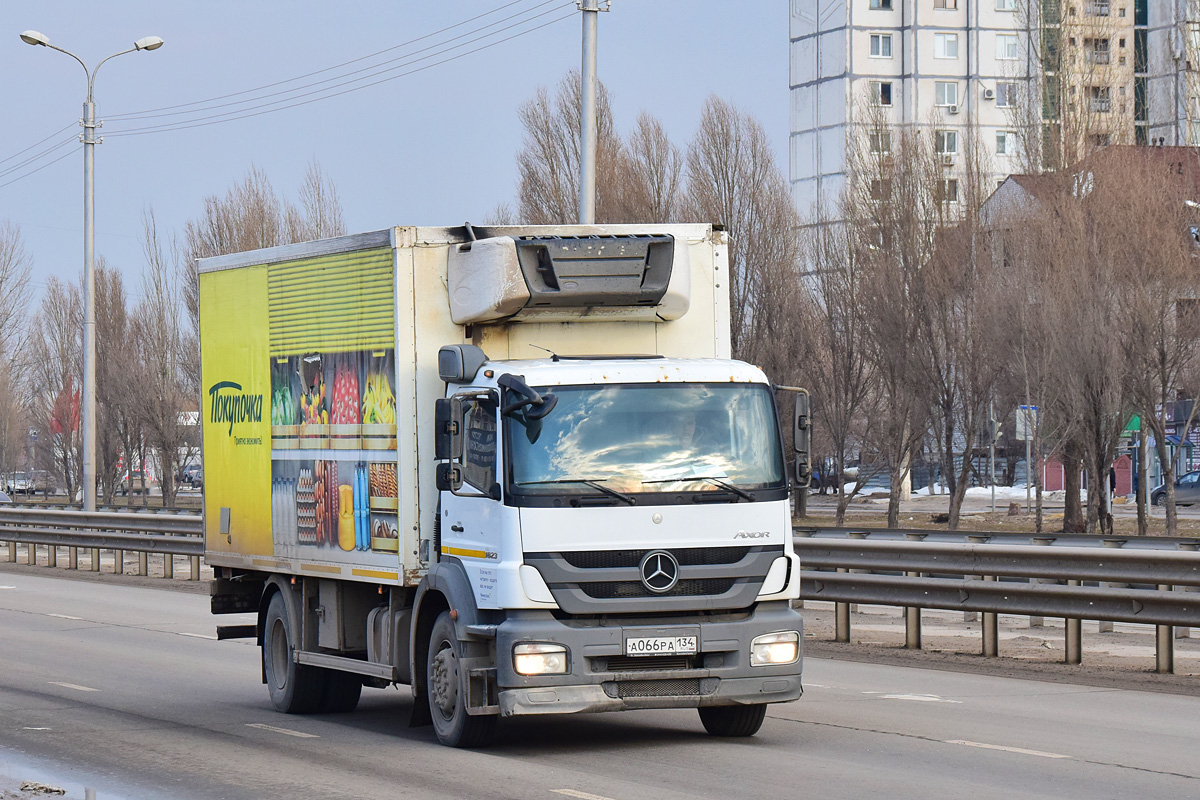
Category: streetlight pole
[88,410]
[587,117]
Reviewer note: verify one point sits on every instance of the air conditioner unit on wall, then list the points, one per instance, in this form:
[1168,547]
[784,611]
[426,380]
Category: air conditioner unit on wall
[948,160]
[989,94]
[952,109]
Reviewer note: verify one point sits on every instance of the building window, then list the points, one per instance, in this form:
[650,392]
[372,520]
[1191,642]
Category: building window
[1006,46]
[1098,51]
[1006,5]
[1099,8]
[1121,42]
[881,189]
[945,3]
[947,191]
[880,141]
[883,5]
[1006,143]
[1006,95]
[1101,99]
[881,45]
[945,45]
[947,142]
[946,93]
[881,93]
[1101,139]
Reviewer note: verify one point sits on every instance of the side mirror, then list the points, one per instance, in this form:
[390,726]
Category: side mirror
[442,420]
[802,437]
[448,477]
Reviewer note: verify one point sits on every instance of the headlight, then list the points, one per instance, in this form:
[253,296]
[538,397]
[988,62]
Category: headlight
[540,659]
[775,648]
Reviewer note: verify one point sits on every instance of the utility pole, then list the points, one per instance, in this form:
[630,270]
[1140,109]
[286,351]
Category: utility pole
[992,452]
[587,117]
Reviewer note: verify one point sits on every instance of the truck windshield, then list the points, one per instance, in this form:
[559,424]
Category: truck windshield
[643,438]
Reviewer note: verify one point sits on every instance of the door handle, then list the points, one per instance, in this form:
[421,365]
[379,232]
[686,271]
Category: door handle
[456,528]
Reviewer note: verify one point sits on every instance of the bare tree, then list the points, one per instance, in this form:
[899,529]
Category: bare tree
[56,359]
[649,176]
[116,399]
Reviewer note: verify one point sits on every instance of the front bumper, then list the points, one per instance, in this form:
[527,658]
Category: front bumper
[602,678]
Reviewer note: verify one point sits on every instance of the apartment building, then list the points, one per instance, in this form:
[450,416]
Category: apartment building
[1038,81]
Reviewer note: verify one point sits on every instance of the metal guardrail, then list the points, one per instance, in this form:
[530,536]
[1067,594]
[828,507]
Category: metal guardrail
[1149,580]
[167,534]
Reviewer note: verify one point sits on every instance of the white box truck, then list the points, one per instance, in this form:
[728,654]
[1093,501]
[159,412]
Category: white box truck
[514,468]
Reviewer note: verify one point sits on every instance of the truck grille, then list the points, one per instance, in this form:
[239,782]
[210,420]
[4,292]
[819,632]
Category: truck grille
[610,581]
[642,663]
[692,556]
[672,687]
[606,590]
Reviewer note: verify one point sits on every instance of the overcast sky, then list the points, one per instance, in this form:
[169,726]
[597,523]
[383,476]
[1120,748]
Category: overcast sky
[433,147]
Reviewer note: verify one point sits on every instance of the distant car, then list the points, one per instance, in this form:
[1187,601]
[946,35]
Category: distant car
[134,482]
[4,498]
[1187,491]
[192,475]
[42,482]
[17,482]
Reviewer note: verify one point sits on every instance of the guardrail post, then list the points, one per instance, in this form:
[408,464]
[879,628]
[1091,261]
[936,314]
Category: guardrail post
[12,551]
[31,554]
[195,568]
[168,565]
[1039,622]
[1106,625]
[842,614]
[143,564]
[1182,632]
[1074,635]
[990,621]
[72,558]
[1164,645]
[95,564]
[912,616]
[118,562]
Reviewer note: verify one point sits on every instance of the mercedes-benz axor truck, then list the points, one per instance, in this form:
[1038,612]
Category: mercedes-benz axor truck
[514,468]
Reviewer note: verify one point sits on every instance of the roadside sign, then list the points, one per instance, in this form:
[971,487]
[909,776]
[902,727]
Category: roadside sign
[1026,422]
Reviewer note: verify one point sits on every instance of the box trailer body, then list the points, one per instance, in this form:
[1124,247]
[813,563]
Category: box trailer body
[474,461]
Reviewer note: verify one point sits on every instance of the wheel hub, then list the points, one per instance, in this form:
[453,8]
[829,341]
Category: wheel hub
[444,685]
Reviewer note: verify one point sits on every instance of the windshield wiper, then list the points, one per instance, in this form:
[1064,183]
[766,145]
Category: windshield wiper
[727,486]
[592,482]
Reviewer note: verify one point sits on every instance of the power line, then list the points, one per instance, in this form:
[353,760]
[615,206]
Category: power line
[35,144]
[151,111]
[37,156]
[39,169]
[231,116]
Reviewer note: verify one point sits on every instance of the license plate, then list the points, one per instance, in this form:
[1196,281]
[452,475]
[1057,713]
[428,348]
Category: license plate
[660,645]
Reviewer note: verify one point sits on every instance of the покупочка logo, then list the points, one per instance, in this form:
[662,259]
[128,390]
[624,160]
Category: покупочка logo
[234,407]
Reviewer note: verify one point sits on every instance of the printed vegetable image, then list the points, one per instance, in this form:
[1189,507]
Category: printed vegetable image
[283,405]
[313,408]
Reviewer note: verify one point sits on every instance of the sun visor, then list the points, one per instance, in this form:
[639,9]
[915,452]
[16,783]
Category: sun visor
[566,278]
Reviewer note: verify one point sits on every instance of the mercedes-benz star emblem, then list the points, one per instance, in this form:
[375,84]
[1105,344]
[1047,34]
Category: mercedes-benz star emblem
[660,571]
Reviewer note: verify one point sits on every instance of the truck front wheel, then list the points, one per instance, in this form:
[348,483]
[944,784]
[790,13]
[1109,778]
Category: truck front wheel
[733,720]
[294,689]
[446,686]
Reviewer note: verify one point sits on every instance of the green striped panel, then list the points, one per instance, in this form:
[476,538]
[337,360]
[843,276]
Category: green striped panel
[333,303]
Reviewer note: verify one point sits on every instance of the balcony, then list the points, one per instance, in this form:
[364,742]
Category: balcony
[1098,8]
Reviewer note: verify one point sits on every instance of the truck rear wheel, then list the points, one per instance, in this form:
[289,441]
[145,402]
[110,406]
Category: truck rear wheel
[446,687]
[733,720]
[340,693]
[294,689]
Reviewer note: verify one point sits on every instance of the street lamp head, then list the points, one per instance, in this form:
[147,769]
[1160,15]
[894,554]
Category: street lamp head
[147,43]
[33,37]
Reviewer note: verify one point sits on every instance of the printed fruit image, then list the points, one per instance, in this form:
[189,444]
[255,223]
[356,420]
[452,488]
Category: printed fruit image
[379,405]
[345,394]
[313,409]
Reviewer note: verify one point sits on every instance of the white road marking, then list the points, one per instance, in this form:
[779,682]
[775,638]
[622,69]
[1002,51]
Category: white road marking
[35,729]
[1020,750]
[284,731]
[920,698]
[7,587]
[580,795]
[74,686]
[66,616]
[199,636]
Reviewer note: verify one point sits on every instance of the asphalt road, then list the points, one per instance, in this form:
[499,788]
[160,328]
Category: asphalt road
[126,691]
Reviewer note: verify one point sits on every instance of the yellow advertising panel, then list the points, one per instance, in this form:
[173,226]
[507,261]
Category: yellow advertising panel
[235,387]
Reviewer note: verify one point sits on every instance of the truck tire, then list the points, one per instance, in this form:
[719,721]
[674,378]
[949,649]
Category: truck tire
[294,689]
[341,692]
[446,687]
[733,720]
